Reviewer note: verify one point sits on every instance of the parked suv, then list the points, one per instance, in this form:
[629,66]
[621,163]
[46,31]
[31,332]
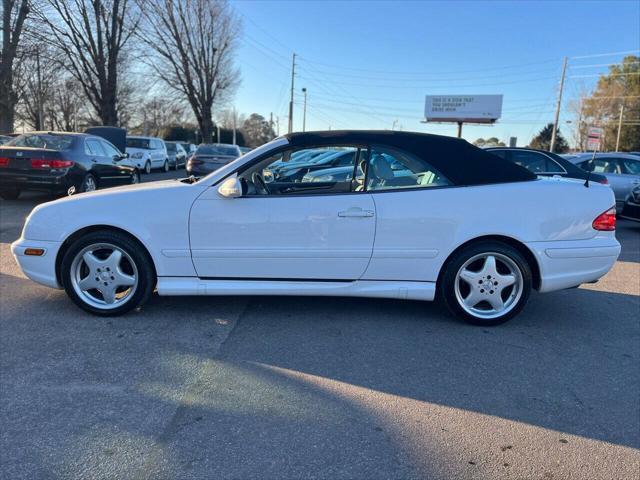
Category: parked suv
[56,161]
[147,153]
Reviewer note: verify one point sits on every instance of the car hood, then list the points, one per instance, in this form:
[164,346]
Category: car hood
[119,207]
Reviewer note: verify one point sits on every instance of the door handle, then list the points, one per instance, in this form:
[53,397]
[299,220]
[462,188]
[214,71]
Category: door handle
[94,160]
[356,213]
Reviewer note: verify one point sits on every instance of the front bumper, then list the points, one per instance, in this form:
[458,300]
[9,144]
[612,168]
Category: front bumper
[40,269]
[567,264]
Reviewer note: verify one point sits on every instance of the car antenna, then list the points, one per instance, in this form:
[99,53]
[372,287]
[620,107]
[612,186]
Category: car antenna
[586,182]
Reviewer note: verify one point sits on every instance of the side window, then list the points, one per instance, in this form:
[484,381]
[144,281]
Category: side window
[109,149]
[94,148]
[311,171]
[532,161]
[554,167]
[500,153]
[602,165]
[389,168]
[630,166]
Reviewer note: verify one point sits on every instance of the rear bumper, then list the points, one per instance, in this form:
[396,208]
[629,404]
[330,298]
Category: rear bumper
[40,269]
[567,264]
[45,183]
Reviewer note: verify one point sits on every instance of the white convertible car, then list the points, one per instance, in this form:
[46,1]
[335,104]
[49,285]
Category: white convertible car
[418,216]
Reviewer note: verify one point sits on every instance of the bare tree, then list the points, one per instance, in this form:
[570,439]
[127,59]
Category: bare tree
[14,14]
[91,35]
[193,42]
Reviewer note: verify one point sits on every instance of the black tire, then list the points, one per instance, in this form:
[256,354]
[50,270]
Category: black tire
[135,177]
[87,182]
[165,167]
[9,193]
[449,277]
[144,266]
[147,167]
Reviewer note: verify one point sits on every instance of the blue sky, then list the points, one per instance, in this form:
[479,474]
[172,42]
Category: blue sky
[370,64]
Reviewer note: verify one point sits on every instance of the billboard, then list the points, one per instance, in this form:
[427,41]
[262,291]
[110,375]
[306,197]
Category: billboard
[463,108]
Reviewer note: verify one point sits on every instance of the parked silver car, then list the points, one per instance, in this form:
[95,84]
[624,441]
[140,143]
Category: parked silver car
[177,155]
[621,169]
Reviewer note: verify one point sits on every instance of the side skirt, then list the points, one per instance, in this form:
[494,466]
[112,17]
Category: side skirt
[360,288]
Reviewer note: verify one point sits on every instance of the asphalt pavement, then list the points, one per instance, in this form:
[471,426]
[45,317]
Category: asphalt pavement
[297,387]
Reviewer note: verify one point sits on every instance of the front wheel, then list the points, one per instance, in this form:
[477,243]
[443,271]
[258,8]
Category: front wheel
[165,167]
[486,283]
[135,177]
[9,193]
[147,167]
[107,273]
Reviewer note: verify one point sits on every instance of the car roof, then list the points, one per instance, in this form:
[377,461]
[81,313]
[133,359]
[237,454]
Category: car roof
[141,137]
[631,156]
[458,160]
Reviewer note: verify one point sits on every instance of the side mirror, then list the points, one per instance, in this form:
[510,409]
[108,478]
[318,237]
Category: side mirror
[124,155]
[230,188]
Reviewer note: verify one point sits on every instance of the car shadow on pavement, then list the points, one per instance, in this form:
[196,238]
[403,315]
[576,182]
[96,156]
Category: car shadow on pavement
[568,363]
[332,386]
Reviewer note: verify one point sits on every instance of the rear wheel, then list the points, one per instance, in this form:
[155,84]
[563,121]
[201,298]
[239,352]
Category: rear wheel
[486,283]
[107,273]
[9,193]
[88,184]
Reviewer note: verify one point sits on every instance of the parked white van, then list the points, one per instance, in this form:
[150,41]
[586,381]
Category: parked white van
[146,153]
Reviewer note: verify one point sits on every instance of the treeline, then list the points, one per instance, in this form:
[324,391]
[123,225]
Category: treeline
[146,65]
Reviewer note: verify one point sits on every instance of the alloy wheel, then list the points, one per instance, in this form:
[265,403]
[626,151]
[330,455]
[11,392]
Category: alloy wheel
[104,276]
[488,285]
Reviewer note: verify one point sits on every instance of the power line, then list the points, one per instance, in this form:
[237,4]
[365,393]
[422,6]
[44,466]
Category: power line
[451,72]
[605,74]
[610,54]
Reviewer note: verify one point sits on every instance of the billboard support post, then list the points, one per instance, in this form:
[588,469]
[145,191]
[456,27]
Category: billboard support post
[460,129]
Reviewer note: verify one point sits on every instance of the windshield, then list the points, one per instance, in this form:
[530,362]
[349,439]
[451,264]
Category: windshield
[138,143]
[171,147]
[50,141]
[217,150]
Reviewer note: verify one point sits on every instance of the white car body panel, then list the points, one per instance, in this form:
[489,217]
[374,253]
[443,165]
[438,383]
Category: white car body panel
[138,156]
[389,244]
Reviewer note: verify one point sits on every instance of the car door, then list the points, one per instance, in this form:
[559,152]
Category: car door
[283,230]
[609,167]
[630,174]
[120,171]
[413,219]
[101,166]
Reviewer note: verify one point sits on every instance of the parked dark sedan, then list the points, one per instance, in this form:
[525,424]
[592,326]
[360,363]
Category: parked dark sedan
[56,161]
[631,208]
[208,158]
[545,163]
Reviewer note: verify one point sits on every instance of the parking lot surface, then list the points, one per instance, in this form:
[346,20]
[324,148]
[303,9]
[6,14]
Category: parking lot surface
[278,387]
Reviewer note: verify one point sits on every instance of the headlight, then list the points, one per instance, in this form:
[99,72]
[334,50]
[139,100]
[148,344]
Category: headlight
[137,155]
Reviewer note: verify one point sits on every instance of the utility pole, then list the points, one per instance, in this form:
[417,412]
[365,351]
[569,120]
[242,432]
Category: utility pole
[554,133]
[619,127]
[218,132]
[39,94]
[304,111]
[278,125]
[271,120]
[234,125]
[293,74]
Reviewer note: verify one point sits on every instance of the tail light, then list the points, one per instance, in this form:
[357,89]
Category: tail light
[46,163]
[4,161]
[604,181]
[606,221]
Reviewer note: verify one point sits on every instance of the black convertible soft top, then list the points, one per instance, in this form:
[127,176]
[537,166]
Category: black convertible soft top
[458,160]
